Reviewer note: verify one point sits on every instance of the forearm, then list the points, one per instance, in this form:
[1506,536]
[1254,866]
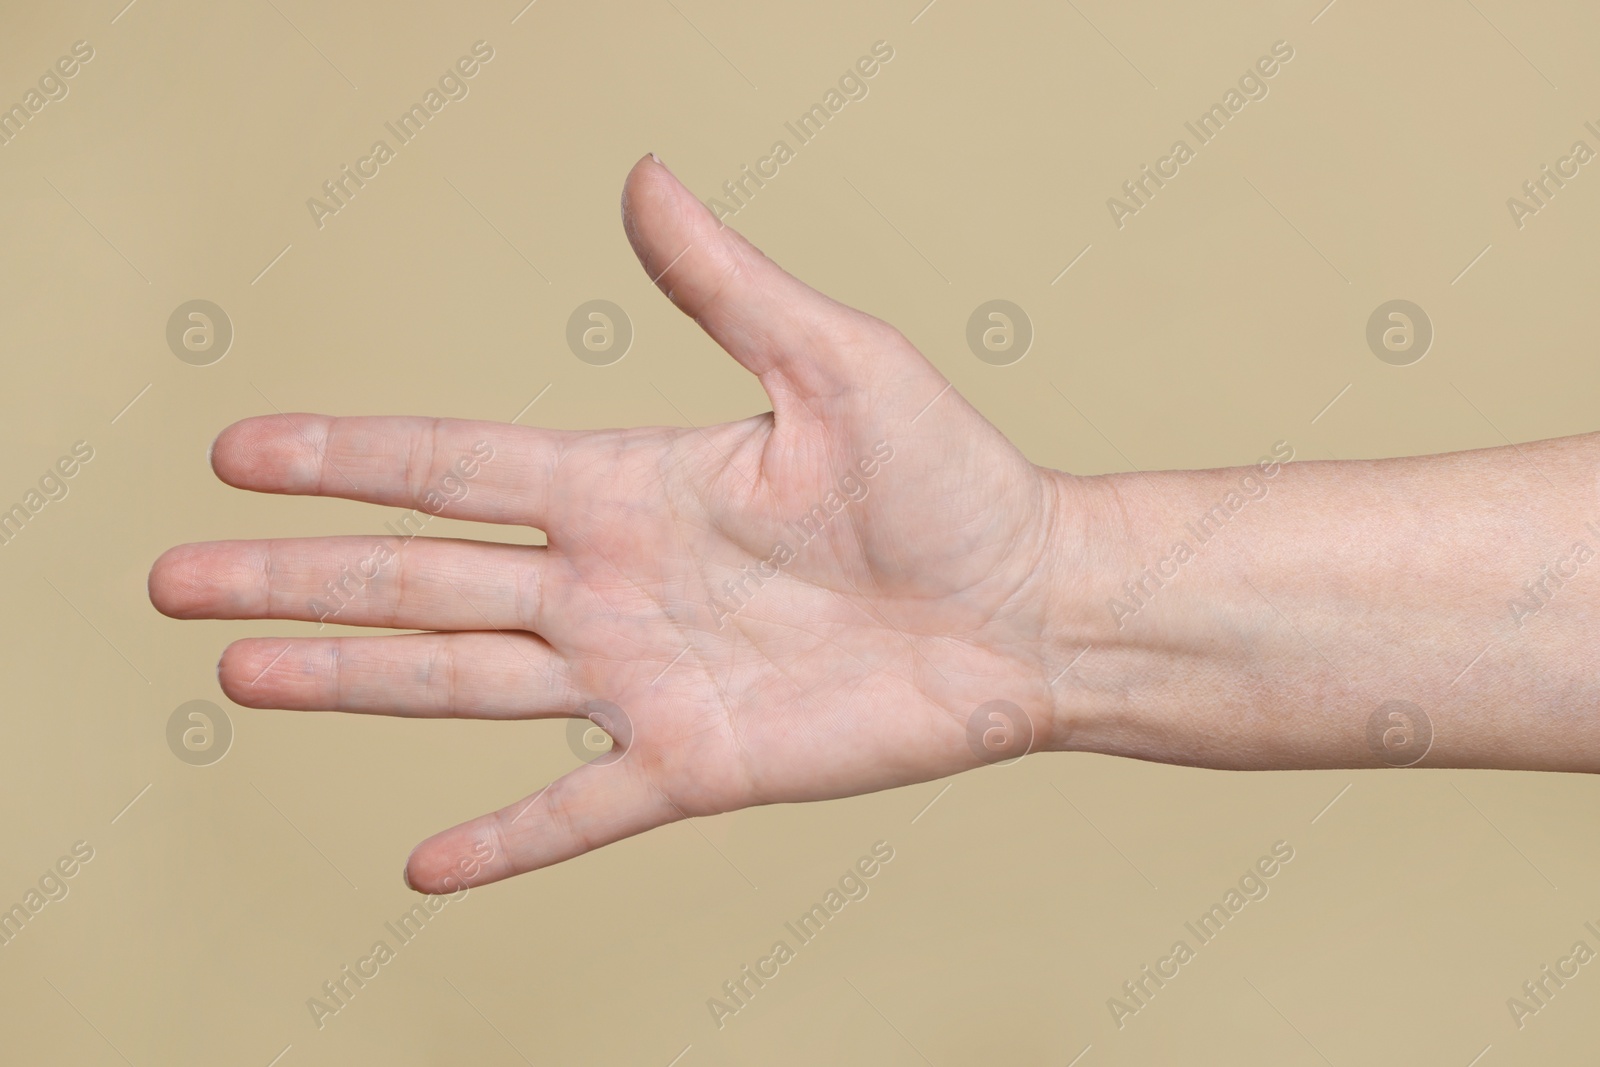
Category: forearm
[1266,629]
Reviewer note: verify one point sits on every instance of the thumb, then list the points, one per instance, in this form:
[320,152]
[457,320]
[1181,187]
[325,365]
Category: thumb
[799,342]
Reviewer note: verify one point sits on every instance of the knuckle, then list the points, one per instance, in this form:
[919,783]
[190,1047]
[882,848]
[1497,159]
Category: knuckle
[528,586]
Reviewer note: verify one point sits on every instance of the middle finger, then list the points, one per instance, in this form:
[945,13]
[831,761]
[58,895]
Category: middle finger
[417,583]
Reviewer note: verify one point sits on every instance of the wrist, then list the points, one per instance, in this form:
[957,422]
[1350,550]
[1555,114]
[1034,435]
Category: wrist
[1096,528]
[1159,642]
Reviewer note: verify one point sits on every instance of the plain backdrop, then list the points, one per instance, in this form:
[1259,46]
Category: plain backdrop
[1228,313]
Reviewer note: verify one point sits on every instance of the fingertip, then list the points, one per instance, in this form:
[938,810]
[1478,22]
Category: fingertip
[634,187]
[271,453]
[454,860]
[244,664]
[771,322]
[154,584]
[223,455]
[405,872]
[643,163]
[165,584]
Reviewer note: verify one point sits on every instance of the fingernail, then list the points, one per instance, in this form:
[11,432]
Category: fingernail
[405,872]
[658,162]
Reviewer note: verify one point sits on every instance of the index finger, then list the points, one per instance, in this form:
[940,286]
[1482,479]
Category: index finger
[460,468]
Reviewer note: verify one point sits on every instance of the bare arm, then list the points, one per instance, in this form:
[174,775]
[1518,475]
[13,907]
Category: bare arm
[1436,610]
[869,586]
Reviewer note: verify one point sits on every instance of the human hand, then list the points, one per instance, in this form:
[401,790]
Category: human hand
[805,604]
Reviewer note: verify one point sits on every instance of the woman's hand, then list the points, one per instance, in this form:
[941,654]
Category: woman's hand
[814,602]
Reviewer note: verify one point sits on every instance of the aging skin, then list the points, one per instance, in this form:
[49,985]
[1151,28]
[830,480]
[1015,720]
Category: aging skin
[957,573]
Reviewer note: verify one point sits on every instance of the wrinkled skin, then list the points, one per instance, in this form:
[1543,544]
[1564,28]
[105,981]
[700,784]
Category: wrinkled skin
[849,663]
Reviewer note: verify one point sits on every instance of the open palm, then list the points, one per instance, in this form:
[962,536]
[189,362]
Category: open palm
[805,604]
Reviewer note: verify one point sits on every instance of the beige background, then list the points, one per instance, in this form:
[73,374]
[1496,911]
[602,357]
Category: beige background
[1223,317]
